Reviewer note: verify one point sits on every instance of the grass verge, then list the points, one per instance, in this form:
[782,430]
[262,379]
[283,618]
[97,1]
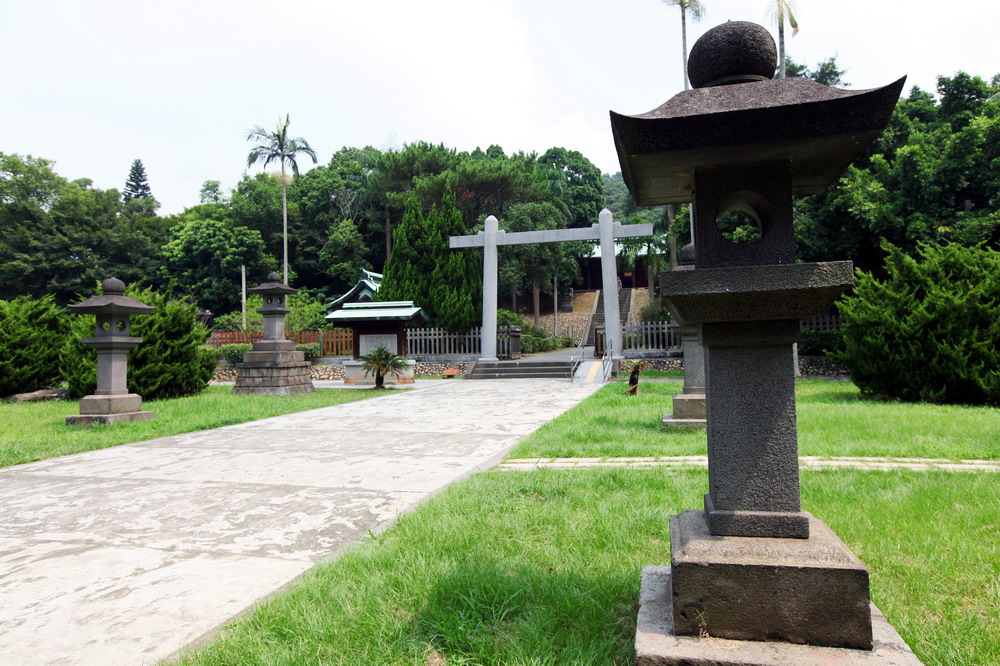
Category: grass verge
[38,430]
[833,420]
[543,568]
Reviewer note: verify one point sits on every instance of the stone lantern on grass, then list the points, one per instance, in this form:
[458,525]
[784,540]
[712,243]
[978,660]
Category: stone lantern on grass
[111,403]
[752,567]
[273,367]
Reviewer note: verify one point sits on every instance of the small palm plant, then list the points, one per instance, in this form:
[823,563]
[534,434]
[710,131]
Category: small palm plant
[381,361]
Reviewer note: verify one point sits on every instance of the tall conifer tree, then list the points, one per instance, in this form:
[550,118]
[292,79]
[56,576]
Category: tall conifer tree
[137,186]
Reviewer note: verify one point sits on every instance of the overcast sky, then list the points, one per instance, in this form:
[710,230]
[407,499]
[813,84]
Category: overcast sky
[94,84]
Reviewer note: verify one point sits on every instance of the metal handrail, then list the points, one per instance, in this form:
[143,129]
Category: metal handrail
[577,357]
[607,361]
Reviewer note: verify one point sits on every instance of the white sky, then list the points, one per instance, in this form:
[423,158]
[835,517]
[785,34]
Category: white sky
[94,84]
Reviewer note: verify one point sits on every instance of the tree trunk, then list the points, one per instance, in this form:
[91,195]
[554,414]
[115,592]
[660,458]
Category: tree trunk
[536,295]
[284,224]
[781,47]
[379,380]
[684,47]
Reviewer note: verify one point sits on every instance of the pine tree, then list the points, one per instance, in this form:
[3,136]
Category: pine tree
[136,187]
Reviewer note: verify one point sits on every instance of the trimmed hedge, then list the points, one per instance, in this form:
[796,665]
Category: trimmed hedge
[930,331]
[31,333]
[171,361]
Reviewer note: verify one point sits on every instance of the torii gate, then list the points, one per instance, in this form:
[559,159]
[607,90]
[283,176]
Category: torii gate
[606,232]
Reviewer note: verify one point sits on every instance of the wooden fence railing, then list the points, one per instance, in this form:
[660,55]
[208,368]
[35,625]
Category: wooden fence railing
[650,335]
[829,321]
[439,342]
[335,342]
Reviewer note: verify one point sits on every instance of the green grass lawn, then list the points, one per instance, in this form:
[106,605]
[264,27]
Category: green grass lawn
[833,420]
[38,430]
[543,567]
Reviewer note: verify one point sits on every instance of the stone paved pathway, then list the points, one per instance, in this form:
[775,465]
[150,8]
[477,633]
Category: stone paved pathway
[127,554]
[805,462]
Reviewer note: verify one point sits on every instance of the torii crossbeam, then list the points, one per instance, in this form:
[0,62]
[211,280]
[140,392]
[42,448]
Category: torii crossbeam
[606,232]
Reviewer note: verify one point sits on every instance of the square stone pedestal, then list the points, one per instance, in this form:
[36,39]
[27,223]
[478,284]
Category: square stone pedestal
[123,408]
[689,411]
[273,368]
[657,643]
[812,591]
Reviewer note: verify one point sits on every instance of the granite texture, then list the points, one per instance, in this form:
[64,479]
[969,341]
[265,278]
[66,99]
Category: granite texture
[812,591]
[658,644]
[734,52]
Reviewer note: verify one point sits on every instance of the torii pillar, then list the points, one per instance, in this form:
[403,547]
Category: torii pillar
[605,232]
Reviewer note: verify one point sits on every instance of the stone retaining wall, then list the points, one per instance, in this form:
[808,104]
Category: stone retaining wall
[336,372]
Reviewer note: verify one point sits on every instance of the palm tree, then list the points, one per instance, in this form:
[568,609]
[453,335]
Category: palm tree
[782,11]
[381,361]
[697,11]
[276,146]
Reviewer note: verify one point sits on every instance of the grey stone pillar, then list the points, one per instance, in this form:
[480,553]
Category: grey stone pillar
[489,334]
[609,283]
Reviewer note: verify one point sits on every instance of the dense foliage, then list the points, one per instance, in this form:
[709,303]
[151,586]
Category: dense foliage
[307,314]
[30,335]
[929,330]
[933,175]
[170,362]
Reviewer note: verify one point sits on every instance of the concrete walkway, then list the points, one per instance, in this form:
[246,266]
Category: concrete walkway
[128,554]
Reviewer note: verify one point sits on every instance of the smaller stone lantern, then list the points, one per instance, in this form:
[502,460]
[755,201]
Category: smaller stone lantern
[274,367]
[112,403]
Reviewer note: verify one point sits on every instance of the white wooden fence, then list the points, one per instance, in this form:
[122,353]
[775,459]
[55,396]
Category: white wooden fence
[437,342]
[650,336]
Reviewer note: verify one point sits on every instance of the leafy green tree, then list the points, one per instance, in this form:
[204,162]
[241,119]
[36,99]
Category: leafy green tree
[343,255]
[278,147]
[61,237]
[697,10]
[381,362]
[580,189]
[211,193]
[929,330]
[828,72]
[29,351]
[203,259]
[169,363]
[255,203]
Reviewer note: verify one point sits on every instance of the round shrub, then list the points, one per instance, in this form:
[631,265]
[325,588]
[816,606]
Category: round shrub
[234,352]
[31,334]
[171,361]
[310,349]
[929,331]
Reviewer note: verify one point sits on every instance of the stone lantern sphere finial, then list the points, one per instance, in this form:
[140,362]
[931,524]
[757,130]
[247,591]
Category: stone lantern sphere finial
[113,287]
[273,277]
[734,52]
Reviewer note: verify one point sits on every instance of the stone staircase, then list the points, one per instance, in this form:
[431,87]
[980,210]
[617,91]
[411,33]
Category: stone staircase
[624,301]
[526,369]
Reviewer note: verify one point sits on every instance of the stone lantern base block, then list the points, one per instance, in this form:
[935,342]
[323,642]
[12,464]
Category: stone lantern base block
[671,422]
[87,420]
[812,591]
[689,412]
[657,643]
[273,373]
[111,404]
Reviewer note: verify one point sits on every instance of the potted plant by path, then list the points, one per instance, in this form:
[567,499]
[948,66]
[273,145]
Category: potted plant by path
[381,361]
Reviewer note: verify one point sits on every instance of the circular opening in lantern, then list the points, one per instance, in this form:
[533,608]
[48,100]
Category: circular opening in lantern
[269,300]
[105,325]
[120,326]
[739,227]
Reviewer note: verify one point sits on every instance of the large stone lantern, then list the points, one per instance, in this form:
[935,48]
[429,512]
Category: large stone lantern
[273,367]
[752,566]
[111,403]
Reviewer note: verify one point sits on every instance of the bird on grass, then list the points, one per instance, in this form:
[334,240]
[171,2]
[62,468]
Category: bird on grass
[633,379]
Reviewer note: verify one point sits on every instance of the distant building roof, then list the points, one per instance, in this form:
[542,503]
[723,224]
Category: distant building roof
[365,289]
[387,311]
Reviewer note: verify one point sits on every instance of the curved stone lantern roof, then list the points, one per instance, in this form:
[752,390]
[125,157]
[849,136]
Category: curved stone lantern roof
[742,119]
[274,285]
[112,301]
